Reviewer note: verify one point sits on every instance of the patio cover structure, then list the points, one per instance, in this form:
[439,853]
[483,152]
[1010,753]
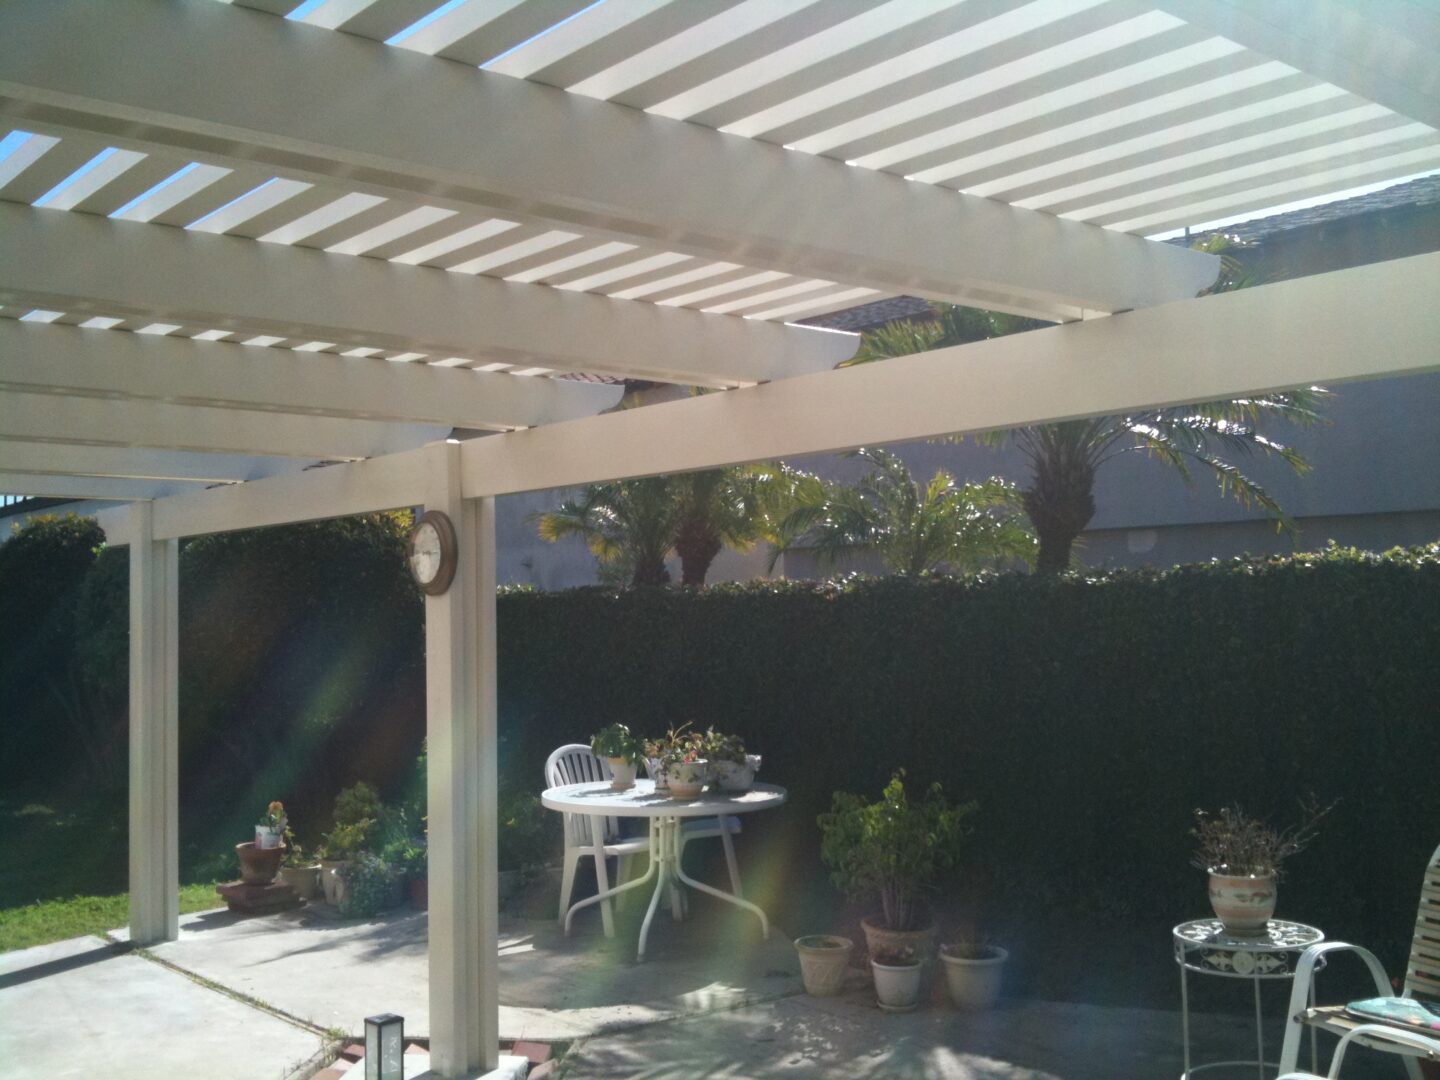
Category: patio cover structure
[274,261]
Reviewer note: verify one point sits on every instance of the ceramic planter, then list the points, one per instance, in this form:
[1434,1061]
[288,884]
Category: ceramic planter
[656,771]
[735,776]
[824,960]
[974,980]
[688,779]
[622,773]
[880,940]
[258,866]
[332,879]
[269,837]
[1243,902]
[897,985]
[305,880]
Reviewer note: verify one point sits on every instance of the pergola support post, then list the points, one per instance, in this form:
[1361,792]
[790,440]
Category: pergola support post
[462,779]
[154,732]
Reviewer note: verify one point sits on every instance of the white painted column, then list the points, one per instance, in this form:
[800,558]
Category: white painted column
[154,732]
[460,726]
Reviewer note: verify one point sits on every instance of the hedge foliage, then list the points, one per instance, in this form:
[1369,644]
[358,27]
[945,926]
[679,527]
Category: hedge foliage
[1088,715]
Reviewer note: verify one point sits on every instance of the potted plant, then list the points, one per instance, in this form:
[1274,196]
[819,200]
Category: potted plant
[897,978]
[972,972]
[678,764]
[730,766]
[1243,857]
[622,750]
[897,850]
[298,870]
[371,886]
[824,959]
[270,829]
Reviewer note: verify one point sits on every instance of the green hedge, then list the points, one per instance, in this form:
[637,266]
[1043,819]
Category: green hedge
[1089,716]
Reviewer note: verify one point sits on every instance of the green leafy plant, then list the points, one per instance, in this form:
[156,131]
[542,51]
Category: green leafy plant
[371,886]
[616,741]
[718,746]
[294,853]
[1232,842]
[676,745]
[347,841]
[896,848]
[359,802]
[529,834]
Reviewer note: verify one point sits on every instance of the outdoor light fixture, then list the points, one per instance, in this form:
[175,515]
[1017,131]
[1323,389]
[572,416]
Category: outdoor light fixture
[385,1047]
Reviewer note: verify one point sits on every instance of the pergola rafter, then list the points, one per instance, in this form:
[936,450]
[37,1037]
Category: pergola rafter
[129,77]
[125,463]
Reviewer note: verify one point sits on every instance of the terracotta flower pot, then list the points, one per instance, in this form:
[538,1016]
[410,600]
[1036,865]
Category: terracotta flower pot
[258,867]
[824,959]
[974,981]
[1243,902]
[879,939]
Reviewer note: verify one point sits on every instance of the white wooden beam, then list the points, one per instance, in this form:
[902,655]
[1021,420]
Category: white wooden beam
[1385,51]
[1361,323]
[124,463]
[224,84]
[43,417]
[1320,329]
[90,487]
[461,740]
[67,360]
[81,262]
[154,732]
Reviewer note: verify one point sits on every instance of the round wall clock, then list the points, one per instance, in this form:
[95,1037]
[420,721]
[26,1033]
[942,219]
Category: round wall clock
[433,552]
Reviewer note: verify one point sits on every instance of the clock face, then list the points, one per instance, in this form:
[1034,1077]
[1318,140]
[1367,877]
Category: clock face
[425,553]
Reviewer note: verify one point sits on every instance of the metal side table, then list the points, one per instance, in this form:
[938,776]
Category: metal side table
[1206,947]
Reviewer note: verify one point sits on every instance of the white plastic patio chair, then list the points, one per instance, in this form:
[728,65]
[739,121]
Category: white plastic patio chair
[599,838]
[1422,980]
[1379,1037]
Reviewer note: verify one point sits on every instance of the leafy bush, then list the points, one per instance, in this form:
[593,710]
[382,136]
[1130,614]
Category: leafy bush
[897,849]
[371,886]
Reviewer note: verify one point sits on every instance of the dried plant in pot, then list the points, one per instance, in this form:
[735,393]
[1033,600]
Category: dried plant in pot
[622,751]
[897,850]
[1243,857]
[973,970]
[897,973]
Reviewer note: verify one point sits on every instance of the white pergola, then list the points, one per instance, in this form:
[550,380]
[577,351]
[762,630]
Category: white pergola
[238,241]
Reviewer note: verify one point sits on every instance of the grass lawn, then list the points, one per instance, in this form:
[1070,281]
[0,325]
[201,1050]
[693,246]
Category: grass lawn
[56,920]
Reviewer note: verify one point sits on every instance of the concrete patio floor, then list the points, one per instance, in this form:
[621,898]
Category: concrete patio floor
[713,1000]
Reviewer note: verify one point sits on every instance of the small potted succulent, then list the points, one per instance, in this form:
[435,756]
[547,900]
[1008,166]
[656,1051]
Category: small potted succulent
[824,959]
[972,972]
[730,766]
[270,829]
[298,869]
[1243,857]
[895,850]
[622,750]
[897,977]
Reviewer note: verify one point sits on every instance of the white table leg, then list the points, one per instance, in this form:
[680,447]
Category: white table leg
[737,901]
[650,872]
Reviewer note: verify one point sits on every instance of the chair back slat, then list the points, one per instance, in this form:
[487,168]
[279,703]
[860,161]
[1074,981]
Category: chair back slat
[1422,973]
[575,764]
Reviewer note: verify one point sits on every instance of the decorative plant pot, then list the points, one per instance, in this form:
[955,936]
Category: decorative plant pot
[305,880]
[734,776]
[622,773]
[824,960]
[267,837]
[897,985]
[1243,902]
[974,981]
[688,779]
[420,893]
[257,866]
[332,879]
[656,772]
[880,940]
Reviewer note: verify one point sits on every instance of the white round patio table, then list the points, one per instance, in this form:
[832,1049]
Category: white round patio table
[666,815]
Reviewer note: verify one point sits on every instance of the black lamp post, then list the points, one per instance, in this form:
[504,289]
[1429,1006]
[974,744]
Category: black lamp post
[385,1047]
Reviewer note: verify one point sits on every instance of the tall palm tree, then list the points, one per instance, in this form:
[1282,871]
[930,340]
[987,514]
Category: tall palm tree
[914,527]
[632,526]
[1064,457]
